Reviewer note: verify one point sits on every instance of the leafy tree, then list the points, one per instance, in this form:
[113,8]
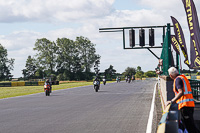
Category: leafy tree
[72,59]
[96,68]
[129,71]
[138,69]
[78,71]
[110,72]
[150,74]
[86,53]
[30,69]
[39,73]
[68,57]
[53,77]
[24,72]
[46,55]
[6,65]
[60,77]
[139,72]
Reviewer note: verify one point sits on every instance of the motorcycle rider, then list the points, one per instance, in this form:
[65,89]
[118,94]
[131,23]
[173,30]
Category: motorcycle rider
[47,82]
[97,79]
[129,79]
[117,79]
[133,78]
[126,78]
[104,80]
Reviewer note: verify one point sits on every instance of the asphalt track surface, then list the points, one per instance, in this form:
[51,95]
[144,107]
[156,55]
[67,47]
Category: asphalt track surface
[116,108]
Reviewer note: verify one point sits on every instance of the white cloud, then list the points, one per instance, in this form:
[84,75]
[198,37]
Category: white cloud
[53,11]
[90,16]
[19,40]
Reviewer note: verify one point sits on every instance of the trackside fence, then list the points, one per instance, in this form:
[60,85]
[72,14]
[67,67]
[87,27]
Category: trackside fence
[169,120]
[195,85]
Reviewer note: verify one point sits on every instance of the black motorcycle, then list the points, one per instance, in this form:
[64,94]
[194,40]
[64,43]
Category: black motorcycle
[129,80]
[96,85]
[104,81]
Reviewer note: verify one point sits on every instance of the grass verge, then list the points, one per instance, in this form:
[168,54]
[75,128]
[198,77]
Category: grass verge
[6,92]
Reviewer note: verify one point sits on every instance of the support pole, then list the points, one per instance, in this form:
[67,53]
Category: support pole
[177,62]
[124,38]
[153,54]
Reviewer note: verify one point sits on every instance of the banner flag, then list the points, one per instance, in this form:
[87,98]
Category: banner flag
[193,24]
[175,44]
[179,36]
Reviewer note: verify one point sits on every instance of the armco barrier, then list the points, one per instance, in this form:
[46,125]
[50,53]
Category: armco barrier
[197,77]
[7,84]
[31,83]
[13,84]
[20,83]
[188,77]
[40,83]
[169,120]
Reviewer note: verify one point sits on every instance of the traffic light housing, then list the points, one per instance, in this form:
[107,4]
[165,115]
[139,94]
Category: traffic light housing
[132,38]
[142,37]
[151,37]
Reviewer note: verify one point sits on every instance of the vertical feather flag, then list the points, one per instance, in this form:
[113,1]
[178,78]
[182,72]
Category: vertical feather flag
[194,29]
[175,44]
[179,36]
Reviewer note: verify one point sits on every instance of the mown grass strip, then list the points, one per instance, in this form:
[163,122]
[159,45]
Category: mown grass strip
[6,92]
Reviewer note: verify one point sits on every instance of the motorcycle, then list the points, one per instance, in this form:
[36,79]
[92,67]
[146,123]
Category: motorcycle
[133,78]
[96,85]
[117,79]
[129,80]
[104,81]
[47,89]
[126,79]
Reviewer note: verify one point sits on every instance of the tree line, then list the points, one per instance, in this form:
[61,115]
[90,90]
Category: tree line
[138,73]
[64,59]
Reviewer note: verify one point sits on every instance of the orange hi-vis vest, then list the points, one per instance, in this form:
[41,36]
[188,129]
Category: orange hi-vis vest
[187,99]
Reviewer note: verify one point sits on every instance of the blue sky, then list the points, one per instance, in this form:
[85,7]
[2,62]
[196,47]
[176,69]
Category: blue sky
[24,21]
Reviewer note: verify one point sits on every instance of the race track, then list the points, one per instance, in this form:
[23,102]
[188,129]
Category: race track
[116,108]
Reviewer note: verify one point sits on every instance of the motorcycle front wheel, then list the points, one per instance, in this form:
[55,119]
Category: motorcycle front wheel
[96,88]
[46,92]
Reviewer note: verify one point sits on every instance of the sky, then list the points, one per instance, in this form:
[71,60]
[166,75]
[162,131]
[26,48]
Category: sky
[22,22]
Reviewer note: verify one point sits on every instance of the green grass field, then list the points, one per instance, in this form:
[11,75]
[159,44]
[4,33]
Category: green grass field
[6,92]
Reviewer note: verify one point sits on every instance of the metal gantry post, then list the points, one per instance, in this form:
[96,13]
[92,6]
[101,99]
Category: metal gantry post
[166,51]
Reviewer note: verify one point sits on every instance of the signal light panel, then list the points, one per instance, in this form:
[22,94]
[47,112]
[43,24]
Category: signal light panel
[151,37]
[132,38]
[142,37]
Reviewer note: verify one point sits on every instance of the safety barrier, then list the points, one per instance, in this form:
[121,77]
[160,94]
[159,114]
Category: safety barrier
[195,85]
[31,83]
[40,83]
[197,77]
[17,84]
[169,120]
[6,84]
[193,77]
[14,84]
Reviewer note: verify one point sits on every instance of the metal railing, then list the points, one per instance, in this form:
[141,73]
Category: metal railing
[169,120]
[195,85]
